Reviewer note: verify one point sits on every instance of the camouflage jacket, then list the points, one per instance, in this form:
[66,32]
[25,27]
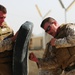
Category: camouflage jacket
[63,53]
[5,34]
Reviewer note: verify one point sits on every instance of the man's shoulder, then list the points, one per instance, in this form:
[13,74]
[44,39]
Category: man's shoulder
[67,25]
[6,26]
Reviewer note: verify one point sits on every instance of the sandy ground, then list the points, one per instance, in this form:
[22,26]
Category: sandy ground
[33,69]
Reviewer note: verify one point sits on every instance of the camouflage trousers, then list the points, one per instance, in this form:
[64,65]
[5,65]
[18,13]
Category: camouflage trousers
[44,72]
[72,72]
[5,69]
[47,72]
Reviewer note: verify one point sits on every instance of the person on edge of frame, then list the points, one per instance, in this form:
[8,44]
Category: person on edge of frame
[7,39]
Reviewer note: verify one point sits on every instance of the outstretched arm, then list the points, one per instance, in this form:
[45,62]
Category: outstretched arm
[7,44]
[32,57]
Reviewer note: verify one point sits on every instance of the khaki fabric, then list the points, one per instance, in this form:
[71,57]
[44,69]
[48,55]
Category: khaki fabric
[6,50]
[5,69]
[5,31]
[69,73]
[62,55]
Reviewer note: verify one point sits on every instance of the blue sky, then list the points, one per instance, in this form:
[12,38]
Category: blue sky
[20,11]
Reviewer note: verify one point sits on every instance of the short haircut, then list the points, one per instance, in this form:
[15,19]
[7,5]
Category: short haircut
[3,9]
[48,19]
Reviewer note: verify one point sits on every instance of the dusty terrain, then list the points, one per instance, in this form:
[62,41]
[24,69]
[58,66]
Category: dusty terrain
[33,69]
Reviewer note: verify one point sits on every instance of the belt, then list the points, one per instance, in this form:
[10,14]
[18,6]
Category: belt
[69,68]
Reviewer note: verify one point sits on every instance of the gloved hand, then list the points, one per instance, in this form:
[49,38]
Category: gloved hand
[33,57]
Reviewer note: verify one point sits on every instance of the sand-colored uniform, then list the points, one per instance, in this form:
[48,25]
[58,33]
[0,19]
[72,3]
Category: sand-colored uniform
[61,56]
[6,46]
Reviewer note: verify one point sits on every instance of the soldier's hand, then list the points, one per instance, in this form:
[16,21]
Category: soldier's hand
[33,57]
[14,37]
[52,42]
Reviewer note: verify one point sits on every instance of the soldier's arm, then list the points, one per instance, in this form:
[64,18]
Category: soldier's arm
[14,37]
[5,45]
[43,63]
[69,40]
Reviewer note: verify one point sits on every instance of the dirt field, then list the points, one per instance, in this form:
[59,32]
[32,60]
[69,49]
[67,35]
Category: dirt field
[33,69]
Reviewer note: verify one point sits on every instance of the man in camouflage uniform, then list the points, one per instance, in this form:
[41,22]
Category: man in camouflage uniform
[59,56]
[6,44]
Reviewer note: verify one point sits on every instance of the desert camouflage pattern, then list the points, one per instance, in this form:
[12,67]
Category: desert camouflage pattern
[5,50]
[5,41]
[72,72]
[56,59]
[69,39]
[6,45]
